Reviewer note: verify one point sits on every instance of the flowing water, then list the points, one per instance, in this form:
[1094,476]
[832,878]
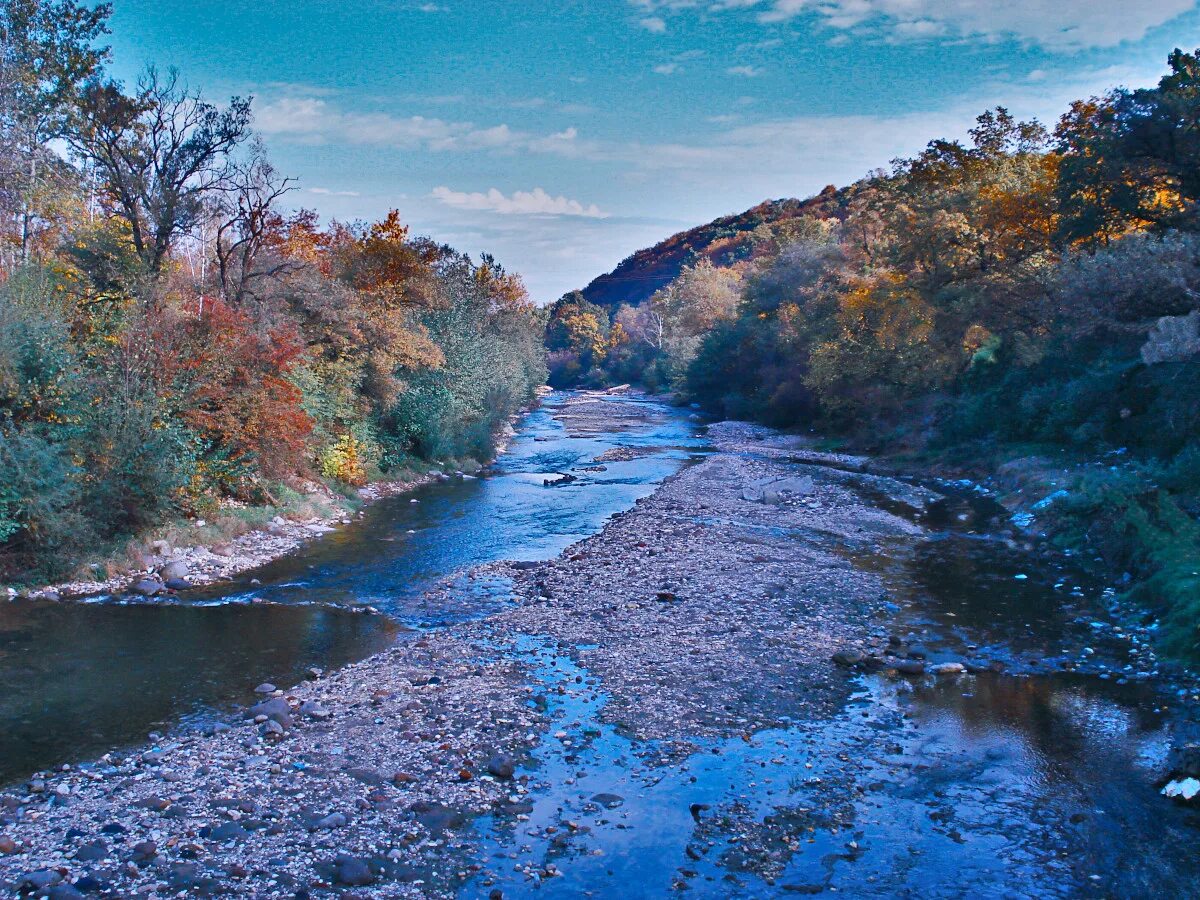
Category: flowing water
[78,679]
[1034,782]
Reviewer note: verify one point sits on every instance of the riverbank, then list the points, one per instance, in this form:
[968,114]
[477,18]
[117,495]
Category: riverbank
[727,688]
[199,553]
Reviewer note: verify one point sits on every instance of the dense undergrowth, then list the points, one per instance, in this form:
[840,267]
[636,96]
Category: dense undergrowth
[1025,297]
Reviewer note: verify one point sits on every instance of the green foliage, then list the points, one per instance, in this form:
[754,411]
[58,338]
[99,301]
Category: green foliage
[1009,290]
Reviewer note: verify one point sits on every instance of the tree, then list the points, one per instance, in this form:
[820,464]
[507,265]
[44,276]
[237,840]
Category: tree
[1131,159]
[161,155]
[48,51]
[248,227]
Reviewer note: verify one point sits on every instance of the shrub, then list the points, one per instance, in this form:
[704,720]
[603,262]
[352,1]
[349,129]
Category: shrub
[344,461]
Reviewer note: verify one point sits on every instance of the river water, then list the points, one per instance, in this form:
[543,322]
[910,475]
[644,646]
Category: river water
[79,679]
[1033,782]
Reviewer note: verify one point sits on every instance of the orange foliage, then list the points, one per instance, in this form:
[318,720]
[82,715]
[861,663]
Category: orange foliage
[230,385]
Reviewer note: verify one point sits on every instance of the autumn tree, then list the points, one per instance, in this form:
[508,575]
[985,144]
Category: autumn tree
[48,51]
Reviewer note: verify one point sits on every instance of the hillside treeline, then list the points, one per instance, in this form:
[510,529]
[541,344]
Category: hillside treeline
[1022,292]
[175,338]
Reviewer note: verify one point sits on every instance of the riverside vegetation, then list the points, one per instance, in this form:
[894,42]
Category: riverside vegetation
[175,345]
[1025,302]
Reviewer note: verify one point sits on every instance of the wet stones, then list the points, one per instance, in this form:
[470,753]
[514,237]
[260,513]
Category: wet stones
[352,871]
[276,710]
[909,666]
[501,767]
[849,659]
[148,587]
[949,669]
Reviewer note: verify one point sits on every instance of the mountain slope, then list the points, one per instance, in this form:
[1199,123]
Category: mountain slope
[723,242]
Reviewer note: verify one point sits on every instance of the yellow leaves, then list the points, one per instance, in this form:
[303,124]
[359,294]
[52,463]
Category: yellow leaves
[344,461]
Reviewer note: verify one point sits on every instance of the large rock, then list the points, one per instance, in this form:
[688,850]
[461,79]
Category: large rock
[176,568]
[354,872]
[276,710]
[501,767]
[775,490]
[148,587]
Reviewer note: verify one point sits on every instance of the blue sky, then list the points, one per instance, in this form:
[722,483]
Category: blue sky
[562,136]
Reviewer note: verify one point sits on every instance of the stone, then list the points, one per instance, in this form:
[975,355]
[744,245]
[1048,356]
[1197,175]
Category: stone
[230,831]
[949,669]
[144,853]
[329,822]
[161,547]
[314,710]
[265,688]
[910,667]
[271,728]
[41,880]
[148,587]
[93,852]
[276,709]
[354,872]
[176,568]
[64,892]
[608,801]
[7,845]
[177,584]
[774,491]
[501,767]
[849,658]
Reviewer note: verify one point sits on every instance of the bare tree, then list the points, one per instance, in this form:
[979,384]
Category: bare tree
[247,224]
[161,155]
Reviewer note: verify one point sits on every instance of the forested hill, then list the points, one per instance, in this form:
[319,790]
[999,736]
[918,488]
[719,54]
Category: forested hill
[722,242]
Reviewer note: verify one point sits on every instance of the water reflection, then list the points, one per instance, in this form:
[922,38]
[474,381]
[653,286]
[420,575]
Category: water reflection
[81,678]
[78,679]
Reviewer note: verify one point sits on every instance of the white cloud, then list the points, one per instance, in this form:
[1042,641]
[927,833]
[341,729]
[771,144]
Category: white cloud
[744,71]
[327,192]
[314,120]
[654,24]
[666,69]
[522,203]
[1055,24]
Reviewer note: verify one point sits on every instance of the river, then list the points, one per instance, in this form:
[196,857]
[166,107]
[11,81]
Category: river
[81,678]
[1035,777]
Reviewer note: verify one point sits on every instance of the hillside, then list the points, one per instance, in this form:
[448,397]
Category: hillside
[723,241]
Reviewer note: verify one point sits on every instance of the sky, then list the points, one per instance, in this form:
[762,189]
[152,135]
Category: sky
[563,135]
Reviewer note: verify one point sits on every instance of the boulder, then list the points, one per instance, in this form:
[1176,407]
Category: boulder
[949,669]
[275,709]
[774,491]
[910,667]
[148,587]
[176,568]
[501,767]
[849,658]
[354,872]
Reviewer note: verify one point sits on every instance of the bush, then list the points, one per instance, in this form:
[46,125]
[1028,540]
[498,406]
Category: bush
[344,461]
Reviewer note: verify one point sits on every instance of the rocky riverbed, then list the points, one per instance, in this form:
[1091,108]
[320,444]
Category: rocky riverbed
[726,690]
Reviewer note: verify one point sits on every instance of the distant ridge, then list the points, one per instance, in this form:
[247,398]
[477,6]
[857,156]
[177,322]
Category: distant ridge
[723,242]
